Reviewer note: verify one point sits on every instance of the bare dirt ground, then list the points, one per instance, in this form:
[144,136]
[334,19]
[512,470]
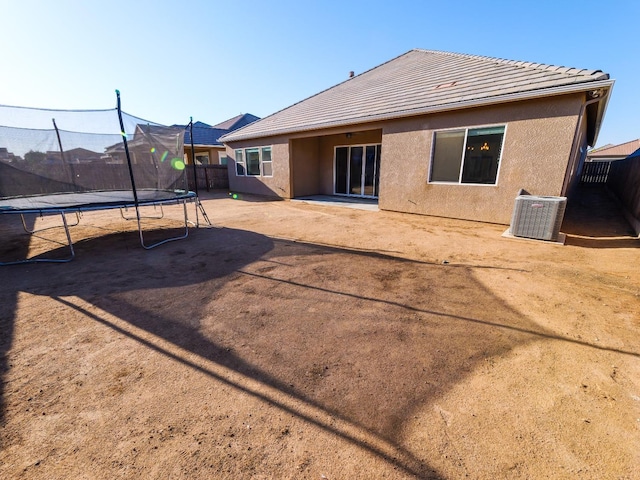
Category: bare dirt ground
[301,341]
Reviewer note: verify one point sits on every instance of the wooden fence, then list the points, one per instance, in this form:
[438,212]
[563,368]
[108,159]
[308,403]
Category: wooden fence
[209,177]
[624,182]
[595,172]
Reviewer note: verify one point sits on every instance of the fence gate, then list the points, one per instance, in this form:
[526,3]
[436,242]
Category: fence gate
[595,172]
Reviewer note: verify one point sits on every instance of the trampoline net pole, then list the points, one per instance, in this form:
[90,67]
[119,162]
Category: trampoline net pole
[193,157]
[195,170]
[68,169]
[199,206]
[126,151]
[133,180]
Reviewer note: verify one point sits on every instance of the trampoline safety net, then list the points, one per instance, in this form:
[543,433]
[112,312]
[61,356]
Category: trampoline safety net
[44,152]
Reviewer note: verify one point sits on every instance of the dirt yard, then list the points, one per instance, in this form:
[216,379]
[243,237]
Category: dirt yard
[302,341]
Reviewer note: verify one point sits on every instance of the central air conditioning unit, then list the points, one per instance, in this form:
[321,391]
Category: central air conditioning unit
[538,217]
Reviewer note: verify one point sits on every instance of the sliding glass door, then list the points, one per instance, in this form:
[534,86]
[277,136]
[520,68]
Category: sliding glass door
[357,170]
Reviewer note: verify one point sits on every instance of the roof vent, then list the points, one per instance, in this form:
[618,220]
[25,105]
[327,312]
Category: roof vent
[351,74]
[538,217]
[445,85]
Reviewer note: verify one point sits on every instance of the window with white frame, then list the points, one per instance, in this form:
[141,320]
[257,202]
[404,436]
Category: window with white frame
[265,161]
[240,170]
[255,161]
[469,156]
[202,159]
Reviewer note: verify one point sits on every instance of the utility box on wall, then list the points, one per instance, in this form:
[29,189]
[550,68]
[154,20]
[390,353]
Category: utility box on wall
[538,217]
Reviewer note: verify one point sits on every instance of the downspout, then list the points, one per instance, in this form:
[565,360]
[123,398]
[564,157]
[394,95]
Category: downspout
[574,147]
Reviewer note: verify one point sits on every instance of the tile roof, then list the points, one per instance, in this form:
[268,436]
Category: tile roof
[238,121]
[204,134]
[615,151]
[419,82]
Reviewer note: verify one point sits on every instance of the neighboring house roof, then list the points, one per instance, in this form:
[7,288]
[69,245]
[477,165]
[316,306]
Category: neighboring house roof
[75,154]
[614,152]
[237,122]
[420,82]
[204,134]
[600,148]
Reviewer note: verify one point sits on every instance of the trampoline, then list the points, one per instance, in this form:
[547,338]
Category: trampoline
[63,162]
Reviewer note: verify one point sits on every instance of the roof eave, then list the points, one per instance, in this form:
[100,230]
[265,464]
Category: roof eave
[204,144]
[512,97]
[602,109]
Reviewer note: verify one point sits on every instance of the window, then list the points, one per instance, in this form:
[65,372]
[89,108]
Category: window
[239,162]
[267,169]
[202,159]
[254,161]
[223,158]
[471,155]
[252,156]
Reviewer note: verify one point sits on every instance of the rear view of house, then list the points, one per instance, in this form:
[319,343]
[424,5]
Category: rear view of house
[429,132]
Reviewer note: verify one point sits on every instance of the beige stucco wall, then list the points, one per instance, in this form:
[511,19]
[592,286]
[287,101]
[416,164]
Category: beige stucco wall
[278,185]
[305,166]
[537,146]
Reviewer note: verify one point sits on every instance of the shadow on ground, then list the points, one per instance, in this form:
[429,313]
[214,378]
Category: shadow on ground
[14,246]
[367,338]
[594,219]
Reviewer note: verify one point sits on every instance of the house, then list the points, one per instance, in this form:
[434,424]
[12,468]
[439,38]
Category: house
[207,149]
[599,161]
[609,153]
[74,155]
[429,132]
[6,155]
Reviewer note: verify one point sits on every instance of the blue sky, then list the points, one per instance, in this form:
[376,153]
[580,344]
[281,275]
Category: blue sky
[212,60]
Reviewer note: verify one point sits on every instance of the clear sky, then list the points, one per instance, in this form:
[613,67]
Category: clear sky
[212,59]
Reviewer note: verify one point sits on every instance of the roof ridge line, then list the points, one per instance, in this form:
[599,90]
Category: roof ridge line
[519,63]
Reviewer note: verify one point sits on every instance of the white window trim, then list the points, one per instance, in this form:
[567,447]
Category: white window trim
[243,162]
[261,162]
[466,132]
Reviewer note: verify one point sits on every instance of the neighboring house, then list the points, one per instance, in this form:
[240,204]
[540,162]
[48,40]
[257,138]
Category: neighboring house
[429,132]
[207,149]
[6,156]
[74,155]
[137,145]
[237,122]
[610,153]
[599,161]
